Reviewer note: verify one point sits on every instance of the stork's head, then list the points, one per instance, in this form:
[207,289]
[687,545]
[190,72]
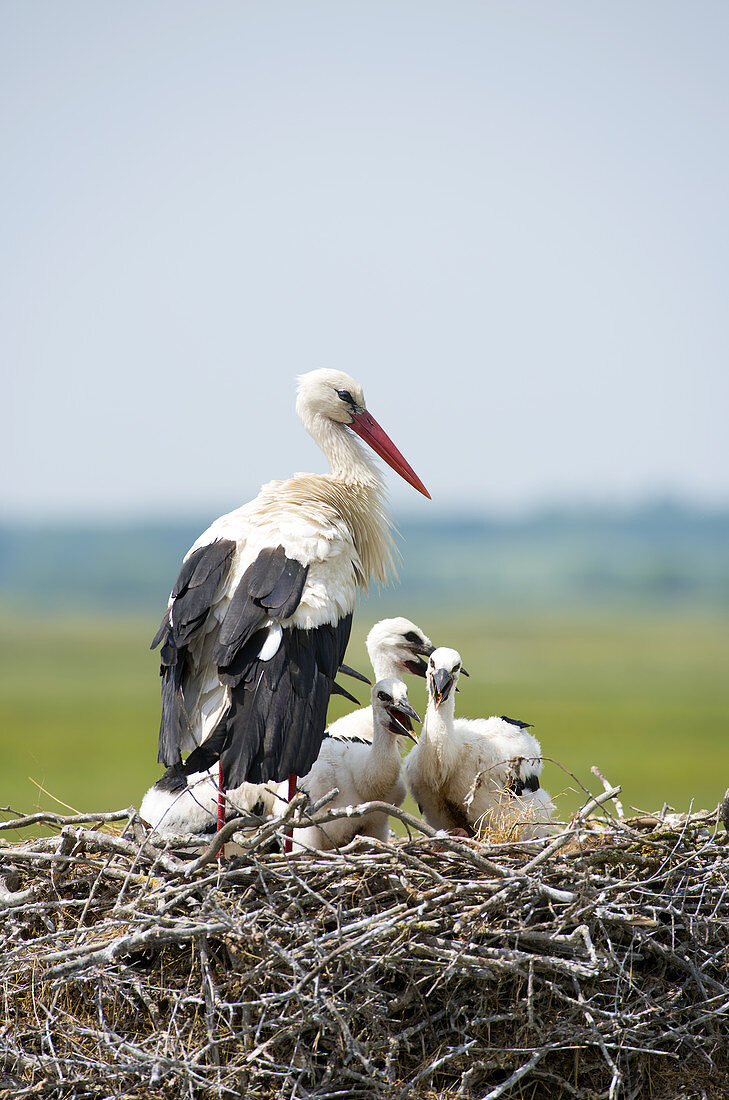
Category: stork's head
[444,668]
[391,708]
[336,397]
[401,644]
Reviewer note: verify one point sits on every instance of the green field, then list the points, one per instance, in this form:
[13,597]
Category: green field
[645,696]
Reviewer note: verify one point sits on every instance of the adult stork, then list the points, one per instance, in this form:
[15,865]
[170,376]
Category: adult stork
[259,618]
[396,647]
[362,771]
[465,771]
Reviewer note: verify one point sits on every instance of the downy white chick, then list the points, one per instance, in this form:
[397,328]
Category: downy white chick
[363,771]
[464,770]
[180,804]
[396,647]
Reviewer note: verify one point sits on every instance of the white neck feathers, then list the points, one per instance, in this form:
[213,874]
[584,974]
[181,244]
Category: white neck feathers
[383,764]
[355,491]
[436,740]
[349,459]
[385,665]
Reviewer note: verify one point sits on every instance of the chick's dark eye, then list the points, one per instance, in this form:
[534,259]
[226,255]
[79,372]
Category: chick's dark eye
[383,697]
[413,638]
[346,396]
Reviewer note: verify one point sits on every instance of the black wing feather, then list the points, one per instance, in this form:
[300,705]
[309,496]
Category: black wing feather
[277,715]
[242,618]
[264,573]
[283,600]
[240,667]
[302,659]
[163,627]
[349,738]
[193,600]
[200,759]
[192,597]
[325,646]
[517,785]
[188,568]
[280,580]
[516,722]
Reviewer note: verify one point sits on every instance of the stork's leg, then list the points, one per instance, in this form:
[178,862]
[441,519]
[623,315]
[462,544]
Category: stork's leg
[289,832]
[221,797]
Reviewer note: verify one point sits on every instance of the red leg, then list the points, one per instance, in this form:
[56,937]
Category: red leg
[221,797]
[292,791]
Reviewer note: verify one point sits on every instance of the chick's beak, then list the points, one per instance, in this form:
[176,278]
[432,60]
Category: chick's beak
[442,683]
[401,715]
[415,663]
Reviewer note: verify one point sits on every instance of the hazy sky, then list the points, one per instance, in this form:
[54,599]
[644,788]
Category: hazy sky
[507,219]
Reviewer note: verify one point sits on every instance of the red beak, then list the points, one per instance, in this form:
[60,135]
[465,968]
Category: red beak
[366,427]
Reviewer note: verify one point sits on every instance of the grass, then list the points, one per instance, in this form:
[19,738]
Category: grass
[642,695]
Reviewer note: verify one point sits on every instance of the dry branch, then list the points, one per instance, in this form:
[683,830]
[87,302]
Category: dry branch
[590,965]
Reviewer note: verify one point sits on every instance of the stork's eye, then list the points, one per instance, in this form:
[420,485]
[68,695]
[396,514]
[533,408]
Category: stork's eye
[384,697]
[413,638]
[345,395]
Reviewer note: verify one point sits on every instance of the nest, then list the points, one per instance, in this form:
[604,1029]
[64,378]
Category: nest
[593,964]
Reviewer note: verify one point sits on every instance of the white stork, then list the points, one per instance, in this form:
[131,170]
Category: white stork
[259,617]
[362,770]
[463,769]
[395,647]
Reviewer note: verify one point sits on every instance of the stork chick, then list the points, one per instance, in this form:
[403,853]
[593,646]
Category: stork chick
[363,771]
[462,771]
[180,803]
[395,647]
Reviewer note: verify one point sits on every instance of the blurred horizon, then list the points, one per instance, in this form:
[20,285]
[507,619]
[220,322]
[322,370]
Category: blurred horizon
[400,509]
[661,551]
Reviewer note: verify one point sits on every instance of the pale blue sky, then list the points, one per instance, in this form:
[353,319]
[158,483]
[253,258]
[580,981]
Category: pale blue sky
[507,220]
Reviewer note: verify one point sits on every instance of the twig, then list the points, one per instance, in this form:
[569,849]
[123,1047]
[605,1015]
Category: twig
[517,1075]
[45,817]
[579,819]
[608,787]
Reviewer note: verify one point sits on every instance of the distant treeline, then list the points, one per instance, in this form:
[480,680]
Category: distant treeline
[661,553]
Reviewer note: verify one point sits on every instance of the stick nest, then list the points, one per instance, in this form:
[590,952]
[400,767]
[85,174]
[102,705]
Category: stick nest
[590,965]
